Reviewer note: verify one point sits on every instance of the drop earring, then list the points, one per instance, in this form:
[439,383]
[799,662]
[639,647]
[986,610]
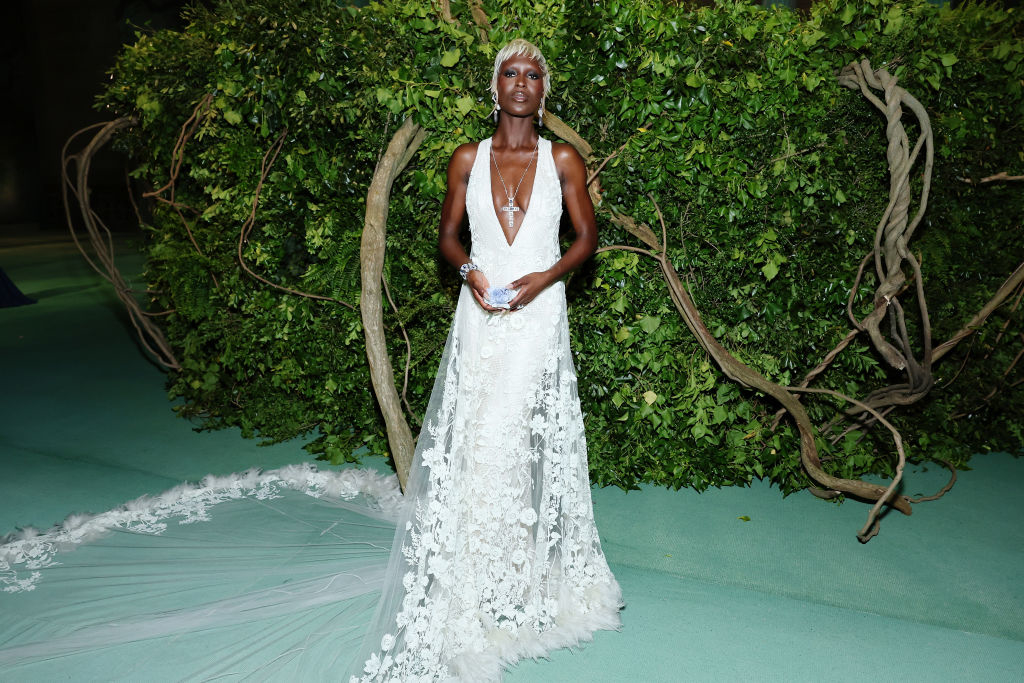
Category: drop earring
[540,115]
[497,107]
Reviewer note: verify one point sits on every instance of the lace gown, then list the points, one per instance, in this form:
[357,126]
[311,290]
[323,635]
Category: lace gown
[498,557]
[492,554]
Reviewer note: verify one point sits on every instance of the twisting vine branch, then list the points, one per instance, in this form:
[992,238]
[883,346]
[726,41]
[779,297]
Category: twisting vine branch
[944,490]
[1006,323]
[400,150]
[738,371]
[483,24]
[991,178]
[100,238]
[150,335]
[892,235]
[1000,383]
[188,129]
[408,352]
[818,369]
[890,254]
[1015,280]
[871,526]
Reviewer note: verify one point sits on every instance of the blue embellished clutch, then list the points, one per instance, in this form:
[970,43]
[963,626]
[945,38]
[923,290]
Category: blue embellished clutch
[498,297]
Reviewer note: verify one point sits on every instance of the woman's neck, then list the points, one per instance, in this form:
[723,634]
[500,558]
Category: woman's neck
[515,133]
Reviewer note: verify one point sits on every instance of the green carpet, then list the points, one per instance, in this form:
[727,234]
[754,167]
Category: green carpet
[789,595]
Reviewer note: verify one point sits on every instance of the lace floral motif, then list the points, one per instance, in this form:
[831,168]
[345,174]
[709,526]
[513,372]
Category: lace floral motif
[33,550]
[500,555]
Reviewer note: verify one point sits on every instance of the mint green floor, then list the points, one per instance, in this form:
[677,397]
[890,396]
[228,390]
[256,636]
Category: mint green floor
[790,595]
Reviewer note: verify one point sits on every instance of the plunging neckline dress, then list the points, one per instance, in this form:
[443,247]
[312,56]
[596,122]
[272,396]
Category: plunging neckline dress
[498,556]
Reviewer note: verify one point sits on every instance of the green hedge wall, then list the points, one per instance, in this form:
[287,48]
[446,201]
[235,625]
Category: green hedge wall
[771,177]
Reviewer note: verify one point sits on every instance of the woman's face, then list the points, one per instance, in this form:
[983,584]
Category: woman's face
[520,86]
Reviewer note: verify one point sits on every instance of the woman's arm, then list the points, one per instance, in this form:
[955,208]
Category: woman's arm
[572,173]
[453,212]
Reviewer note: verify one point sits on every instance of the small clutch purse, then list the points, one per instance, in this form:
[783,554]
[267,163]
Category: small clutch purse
[498,297]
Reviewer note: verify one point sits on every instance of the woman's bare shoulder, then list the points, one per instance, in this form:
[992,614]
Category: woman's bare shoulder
[463,158]
[567,159]
[466,152]
[564,153]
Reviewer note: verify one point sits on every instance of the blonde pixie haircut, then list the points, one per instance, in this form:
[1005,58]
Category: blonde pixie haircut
[515,48]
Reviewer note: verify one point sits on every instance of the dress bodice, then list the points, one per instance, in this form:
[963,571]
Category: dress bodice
[535,246]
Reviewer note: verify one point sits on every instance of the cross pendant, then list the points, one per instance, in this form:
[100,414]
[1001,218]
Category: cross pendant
[511,208]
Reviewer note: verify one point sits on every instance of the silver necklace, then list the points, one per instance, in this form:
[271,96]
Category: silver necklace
[511,207]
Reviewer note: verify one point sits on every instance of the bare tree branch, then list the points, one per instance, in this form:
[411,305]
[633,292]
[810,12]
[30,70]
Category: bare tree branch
[372,246]
[871,526]
[991,179]
[1005,290]
[408,351]
[100,238]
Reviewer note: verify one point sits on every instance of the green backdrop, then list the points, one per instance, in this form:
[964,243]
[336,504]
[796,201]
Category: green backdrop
[771,177]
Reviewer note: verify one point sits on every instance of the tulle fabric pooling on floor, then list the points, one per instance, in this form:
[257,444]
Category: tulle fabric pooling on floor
[249,576]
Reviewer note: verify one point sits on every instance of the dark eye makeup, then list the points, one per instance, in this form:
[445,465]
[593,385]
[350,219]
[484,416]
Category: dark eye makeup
[509,73]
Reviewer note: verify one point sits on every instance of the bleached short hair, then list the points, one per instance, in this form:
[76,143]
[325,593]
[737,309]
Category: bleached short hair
[515,48]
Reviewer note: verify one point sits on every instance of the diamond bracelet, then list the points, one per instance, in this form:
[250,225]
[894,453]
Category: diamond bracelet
[466,267]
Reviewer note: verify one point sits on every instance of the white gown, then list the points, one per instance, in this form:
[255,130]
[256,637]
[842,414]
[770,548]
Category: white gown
[494,554]
[499,557]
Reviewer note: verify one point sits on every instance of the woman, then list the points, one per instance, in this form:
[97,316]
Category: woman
[497,556]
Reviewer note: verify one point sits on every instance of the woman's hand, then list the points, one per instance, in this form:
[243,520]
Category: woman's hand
[478,285]
[529,286]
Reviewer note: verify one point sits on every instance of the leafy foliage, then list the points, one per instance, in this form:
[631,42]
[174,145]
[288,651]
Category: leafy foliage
[771,177]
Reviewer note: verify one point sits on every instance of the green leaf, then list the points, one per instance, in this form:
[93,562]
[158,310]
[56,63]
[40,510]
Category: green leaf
[451,57]
[649,324]
[232,117]
[464,104]
[770,270]
[810,81]
[894,20]
[948,59]
[810,39]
